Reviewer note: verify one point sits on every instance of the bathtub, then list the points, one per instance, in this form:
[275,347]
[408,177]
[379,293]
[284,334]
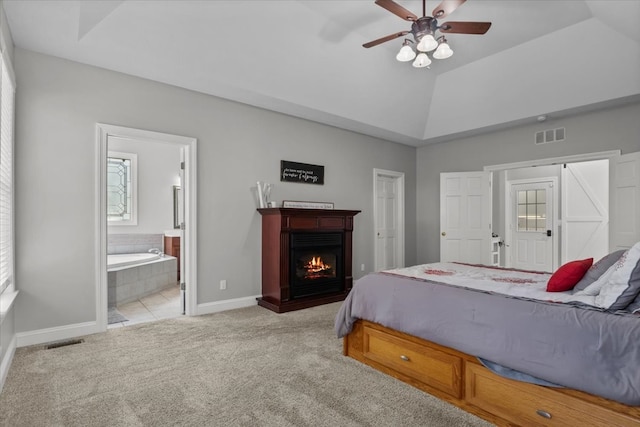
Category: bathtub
[133,276]
[123,260]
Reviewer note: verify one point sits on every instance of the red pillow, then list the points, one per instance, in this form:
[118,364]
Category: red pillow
[567,276]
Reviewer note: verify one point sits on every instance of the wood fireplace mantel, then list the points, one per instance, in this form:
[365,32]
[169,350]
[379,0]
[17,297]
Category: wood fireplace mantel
[277,226]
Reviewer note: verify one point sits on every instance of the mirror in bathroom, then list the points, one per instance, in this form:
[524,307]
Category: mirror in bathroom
[177,203]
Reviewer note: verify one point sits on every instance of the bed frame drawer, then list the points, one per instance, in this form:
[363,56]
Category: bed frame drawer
[525,404]
[435,368]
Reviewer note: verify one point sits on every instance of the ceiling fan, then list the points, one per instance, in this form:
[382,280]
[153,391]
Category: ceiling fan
[424,30]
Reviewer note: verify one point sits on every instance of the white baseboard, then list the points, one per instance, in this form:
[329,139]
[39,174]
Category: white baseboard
[42,336]
[228,304]
[6,361]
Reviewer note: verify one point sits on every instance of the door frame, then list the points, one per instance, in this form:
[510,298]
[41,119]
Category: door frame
[508,218]
[398,178]
[598,155]
[103,132]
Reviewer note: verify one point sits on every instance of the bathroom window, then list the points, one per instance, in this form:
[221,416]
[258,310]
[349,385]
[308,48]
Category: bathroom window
[121,188]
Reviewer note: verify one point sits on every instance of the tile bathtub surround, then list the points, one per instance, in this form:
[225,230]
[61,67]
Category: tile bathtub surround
[134,282]
[133,243]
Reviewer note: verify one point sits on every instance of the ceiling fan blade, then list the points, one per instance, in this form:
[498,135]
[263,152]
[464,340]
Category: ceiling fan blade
[465,27]
[385,39]
[395,8]
[446,7]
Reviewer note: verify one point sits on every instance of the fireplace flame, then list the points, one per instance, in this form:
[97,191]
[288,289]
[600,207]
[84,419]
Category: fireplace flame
[316,265]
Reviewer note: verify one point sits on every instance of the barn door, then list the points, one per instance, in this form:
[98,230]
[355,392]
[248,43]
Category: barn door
[585,210]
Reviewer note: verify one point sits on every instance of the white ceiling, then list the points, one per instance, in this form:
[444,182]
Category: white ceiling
[305,58]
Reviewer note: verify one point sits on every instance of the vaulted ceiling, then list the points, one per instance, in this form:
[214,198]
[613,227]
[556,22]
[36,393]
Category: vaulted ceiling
[305,58]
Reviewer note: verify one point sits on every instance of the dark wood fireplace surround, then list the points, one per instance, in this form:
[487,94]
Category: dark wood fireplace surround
[277,226]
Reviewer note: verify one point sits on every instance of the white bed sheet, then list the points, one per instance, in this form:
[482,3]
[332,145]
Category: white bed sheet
[515,283]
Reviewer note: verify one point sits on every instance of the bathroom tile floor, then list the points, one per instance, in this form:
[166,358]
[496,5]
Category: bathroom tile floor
[161,305]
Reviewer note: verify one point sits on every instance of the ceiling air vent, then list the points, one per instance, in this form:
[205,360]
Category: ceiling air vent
[550,135]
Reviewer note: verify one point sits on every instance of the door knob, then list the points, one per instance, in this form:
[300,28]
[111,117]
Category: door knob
[444,233]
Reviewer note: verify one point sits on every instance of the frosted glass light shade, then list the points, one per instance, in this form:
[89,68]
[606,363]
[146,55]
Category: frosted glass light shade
[422,60]
[406,54]
[427,43]
[443,51]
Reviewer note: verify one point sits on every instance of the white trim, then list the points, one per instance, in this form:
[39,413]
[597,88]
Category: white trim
[399,183]
[9,66]
[57,333]
[190,233]
[555,160]
[229,304]
[7,299]
[103,131]
[508,217]
[6,361]
[101,228]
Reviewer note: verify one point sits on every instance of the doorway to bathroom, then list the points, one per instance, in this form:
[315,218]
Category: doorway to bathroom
[146,214]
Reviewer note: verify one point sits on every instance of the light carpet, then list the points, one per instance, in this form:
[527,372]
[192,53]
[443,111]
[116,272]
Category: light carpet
[246,367]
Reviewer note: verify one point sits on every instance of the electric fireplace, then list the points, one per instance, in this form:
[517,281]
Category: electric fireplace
[306,257]
[316,263]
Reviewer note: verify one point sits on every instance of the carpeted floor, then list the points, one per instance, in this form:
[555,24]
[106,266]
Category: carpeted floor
[246,367]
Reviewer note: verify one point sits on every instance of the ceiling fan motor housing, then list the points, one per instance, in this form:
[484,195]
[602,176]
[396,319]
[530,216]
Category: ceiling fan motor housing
[423,26]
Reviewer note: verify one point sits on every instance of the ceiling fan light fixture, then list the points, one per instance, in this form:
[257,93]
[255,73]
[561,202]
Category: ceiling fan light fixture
[422,60]
[406,54]
[443,51]
[427,43]
[426,31]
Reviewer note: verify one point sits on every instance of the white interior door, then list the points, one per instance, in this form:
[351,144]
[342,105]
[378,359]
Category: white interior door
[465,217]
[625,201]
[585,210]
[388,219]
[532,231]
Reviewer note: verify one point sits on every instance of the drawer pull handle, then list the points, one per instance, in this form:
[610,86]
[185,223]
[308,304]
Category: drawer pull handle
[543,414]
[405,358]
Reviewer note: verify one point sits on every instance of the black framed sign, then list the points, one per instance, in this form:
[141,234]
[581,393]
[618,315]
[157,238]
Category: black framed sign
[301,172]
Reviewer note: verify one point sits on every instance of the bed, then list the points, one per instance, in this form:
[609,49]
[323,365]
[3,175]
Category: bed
[497,343]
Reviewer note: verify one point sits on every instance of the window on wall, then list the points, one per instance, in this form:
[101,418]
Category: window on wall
[532,210]
[121,188]
[7,112]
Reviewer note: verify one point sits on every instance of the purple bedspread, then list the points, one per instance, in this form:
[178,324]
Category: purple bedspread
[584,349]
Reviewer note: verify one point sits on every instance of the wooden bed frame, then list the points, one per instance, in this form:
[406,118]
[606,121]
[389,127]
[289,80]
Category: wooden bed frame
[461,380]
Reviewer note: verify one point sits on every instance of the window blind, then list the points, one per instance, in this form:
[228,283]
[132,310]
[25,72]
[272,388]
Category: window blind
[7,112]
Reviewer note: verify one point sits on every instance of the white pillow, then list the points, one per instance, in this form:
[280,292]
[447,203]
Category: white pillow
[594,288]
[619,280]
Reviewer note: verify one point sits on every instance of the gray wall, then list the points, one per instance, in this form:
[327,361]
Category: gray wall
[158,172]
[610,129]
[58,105]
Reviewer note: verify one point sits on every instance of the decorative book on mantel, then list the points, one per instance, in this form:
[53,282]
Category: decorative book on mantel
[306,205]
